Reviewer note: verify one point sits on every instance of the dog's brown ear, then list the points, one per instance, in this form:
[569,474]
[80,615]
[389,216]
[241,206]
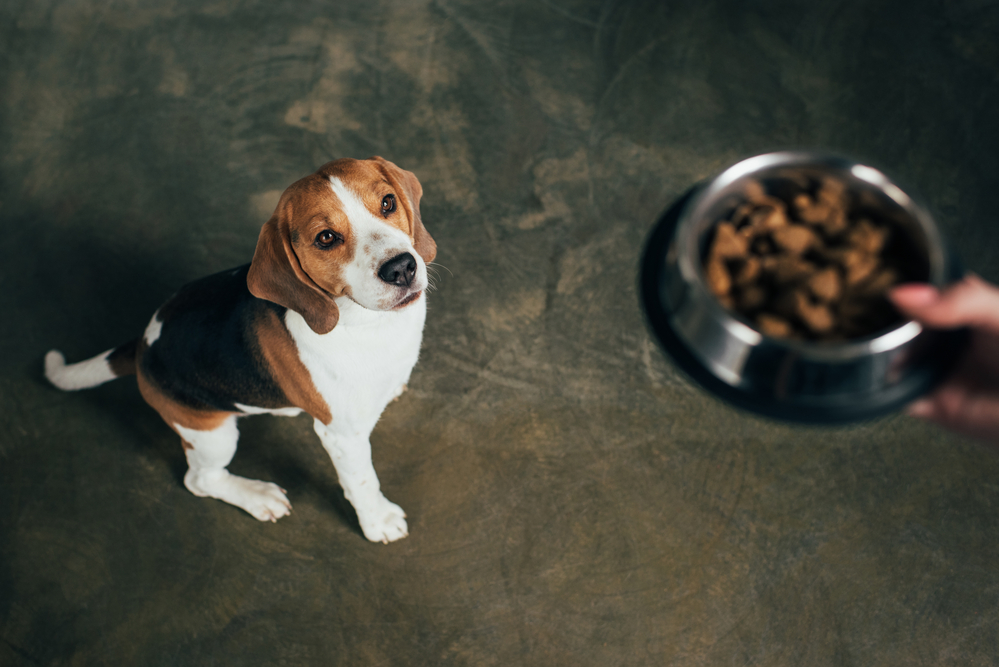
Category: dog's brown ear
[409,185]
[277,275]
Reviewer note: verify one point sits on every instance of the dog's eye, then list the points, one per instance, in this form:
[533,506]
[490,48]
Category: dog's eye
[327,238]
[388,204]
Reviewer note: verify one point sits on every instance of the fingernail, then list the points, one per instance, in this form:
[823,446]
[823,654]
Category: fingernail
[914,295]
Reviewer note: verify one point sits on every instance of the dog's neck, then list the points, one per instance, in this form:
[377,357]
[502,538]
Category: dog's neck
[353,314]
[356,317]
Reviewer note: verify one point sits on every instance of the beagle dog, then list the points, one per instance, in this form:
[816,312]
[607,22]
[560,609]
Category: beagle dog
[326,319]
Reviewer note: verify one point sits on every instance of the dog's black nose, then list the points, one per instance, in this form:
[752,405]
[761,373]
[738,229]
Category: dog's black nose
[399,270]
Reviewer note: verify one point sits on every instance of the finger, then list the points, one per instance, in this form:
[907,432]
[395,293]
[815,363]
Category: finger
[961,409]
[924,408]
[913,297]
[971,302]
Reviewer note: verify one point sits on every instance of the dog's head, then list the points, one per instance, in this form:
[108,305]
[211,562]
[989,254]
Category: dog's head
[351,229]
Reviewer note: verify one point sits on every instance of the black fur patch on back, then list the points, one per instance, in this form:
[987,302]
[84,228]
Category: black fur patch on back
[122,359]
[207,355]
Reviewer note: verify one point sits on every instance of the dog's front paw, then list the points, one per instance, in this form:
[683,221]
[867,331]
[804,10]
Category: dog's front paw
[385,522]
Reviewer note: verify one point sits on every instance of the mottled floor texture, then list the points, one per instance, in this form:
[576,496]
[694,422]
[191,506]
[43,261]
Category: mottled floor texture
[573,499]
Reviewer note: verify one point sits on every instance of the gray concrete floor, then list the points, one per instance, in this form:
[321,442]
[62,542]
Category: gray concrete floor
[573,499]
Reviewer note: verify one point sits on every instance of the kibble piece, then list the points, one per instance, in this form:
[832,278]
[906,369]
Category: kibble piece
[878,284]
[860,268]
[817,214]
[868,237]
[795,239]
[810,211]
[832,192]
[787,269]
[826,285]
[719,282]
[728,243]
[835,224]
[802,201]
[817,317]
[748,272]
[774,326]
[843,256]
[857,265]
[769,218]
[754,192]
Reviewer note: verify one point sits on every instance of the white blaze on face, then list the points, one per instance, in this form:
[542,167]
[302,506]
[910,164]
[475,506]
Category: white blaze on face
[376,242]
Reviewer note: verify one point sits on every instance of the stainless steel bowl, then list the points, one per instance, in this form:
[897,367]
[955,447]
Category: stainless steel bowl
[800,381]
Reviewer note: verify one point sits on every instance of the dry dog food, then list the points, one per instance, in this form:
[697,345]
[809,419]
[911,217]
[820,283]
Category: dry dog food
[802,257]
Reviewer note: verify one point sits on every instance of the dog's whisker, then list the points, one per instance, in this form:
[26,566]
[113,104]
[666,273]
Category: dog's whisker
[436,264]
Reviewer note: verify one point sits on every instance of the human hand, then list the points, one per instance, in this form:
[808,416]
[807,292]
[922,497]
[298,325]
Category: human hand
[968,400]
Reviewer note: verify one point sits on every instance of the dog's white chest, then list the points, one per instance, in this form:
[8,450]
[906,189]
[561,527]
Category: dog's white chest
[361,364]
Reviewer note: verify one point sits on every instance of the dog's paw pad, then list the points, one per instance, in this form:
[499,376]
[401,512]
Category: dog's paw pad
[384,523]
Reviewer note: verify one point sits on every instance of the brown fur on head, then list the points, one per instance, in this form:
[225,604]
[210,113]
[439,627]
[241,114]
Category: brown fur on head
[294,267]
[406,182]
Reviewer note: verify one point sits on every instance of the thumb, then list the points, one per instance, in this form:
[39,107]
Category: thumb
[971,302]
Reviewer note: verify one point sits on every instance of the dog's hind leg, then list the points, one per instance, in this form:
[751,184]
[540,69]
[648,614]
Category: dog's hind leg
[209,438]
[208,454]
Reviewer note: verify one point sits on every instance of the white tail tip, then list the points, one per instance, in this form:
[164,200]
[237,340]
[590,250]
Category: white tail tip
[83,375]
[55,364]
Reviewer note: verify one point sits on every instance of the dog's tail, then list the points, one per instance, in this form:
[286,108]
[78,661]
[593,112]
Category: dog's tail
[86,374]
